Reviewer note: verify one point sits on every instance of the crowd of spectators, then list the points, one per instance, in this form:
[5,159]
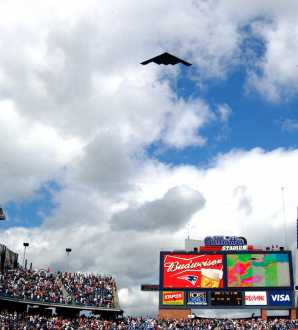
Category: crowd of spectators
[64,288]
[26,322]
[31,285]
[89,289]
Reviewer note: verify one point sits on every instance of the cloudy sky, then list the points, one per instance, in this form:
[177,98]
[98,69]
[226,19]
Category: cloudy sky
[117,160]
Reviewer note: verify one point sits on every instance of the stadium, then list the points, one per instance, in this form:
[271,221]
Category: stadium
[220,272]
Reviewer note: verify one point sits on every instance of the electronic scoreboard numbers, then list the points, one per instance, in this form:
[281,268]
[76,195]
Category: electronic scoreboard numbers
[226,298]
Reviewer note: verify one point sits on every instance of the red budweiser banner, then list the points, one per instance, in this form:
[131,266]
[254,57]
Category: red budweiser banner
[192,271]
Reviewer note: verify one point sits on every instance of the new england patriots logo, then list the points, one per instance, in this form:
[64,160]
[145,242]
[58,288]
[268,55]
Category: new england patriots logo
[189,278]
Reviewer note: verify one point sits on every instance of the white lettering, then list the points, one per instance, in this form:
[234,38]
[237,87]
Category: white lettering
[173,296]
[281,297]
[176,265]
[234,248]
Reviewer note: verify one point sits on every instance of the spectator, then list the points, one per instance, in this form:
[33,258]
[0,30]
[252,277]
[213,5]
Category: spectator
[89,289]
[27,322]
[82,289]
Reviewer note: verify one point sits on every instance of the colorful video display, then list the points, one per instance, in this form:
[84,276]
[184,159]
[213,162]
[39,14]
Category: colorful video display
[249,270]
[192,271]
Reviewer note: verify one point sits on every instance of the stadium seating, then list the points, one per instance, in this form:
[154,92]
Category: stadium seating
[30,322]
[89,289]
[59,288]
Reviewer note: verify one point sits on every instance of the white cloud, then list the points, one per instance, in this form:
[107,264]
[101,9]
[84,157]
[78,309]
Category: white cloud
[31,153]
[224,111]
[275,76]
[77,107]
[144,303]
[290,125]
[242,191]
[184,123]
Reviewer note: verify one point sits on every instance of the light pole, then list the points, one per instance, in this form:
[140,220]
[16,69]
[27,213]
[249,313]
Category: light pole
[25,247]
[67,250]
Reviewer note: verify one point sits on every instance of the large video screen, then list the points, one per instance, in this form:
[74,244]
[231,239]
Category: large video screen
[249,270]
[192,271]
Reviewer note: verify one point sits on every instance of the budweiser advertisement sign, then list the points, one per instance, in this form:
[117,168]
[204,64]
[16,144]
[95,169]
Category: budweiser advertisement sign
[192,271]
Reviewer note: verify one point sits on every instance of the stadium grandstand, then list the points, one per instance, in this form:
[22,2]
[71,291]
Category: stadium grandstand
[64,293]
[24,321]
[33,299]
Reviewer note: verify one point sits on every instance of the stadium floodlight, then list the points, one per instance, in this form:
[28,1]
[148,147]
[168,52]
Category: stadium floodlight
[68,250]
[2,214]
[25,244]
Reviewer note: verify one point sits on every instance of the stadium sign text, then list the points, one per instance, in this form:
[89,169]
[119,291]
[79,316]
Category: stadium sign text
[280,298]
[255,298]
[178,265]
[197,298]
[234,248]
[225,241]
[173,298]
[180,271]
[223,248]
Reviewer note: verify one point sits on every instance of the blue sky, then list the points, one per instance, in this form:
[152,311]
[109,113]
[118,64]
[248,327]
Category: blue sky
[253,123]
[96,148]
[31,212]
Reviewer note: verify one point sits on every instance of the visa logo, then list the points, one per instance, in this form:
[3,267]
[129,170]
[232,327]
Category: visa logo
[280,297]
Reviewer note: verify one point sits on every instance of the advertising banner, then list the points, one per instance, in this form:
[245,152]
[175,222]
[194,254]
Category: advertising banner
[192,271]
[280,298]
[255,298]
[258,270]
[173,298]
[197,298]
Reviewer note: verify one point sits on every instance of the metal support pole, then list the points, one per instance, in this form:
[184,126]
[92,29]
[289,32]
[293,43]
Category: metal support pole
[25,247]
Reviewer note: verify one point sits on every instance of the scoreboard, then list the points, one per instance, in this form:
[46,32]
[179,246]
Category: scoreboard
[233,279]
[226,298]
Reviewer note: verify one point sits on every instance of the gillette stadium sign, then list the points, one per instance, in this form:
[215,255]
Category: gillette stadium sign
[226,242]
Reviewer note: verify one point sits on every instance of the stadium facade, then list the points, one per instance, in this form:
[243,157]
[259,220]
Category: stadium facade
[8,258]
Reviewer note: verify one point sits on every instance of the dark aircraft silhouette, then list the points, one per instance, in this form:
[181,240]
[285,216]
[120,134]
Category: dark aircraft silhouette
[166,59]
[2,214]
